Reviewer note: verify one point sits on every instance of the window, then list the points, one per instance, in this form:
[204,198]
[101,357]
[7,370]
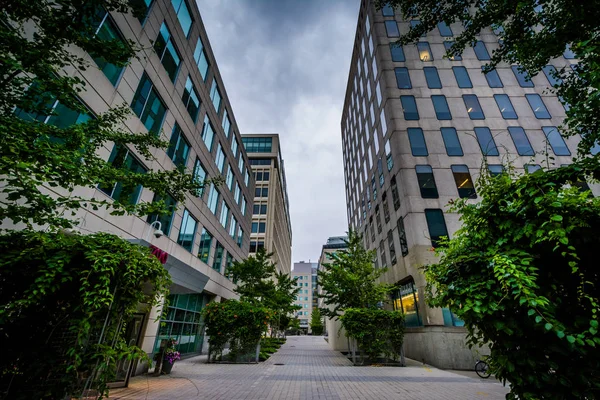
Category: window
[246,173]
[495,169]
[390,238]
[493,79]
[486,141]
[240,236]
[107,30]
[569,54]
[552,75]
[167,52]
[386,209]
[414,24]
[505,106]
[121,158]
[395,195]
[464,183]
[233,227]
[453,147]
[447,46]
[254,227]
[191,99]
[220,158]
[234,147]
[409,107]
[522,77]
[258,145]
[444,29]
[531,168]
[402,237]
[205,243]
[436,225]
[164,219]
[238,192]
[388,155]
[215,96]
[559,147]
[481,51]
[226,124]
[424,51]
[219,250]
[520,140]
[229,179]
[402,78]
[473,107]
[244,205]
[199,175]
[142,7]
[432,77]
[387,10]
[440,105]
[426,182]
[462,77]
[224,214]
[382,252]
[187,231]
[391,28]
[178,147]
[213,199]
[183,15]
[148,106]
[537,105]
[201,59]
[397,52]
[208,133]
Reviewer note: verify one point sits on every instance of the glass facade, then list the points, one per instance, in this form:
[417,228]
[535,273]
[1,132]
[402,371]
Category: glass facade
[406,299]
[258,145]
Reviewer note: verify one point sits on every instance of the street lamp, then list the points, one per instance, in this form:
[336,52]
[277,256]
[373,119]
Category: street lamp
[157,233]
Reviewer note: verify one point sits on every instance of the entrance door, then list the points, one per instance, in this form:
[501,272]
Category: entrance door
[125,367]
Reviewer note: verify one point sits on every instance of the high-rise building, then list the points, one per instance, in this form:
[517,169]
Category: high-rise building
[305,274]
[175,90]
[271,226]
[416,127]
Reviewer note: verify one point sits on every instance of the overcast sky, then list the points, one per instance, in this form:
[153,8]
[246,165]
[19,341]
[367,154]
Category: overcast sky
[285,67]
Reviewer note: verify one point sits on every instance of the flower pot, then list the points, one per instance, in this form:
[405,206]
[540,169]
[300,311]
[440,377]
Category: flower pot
[167,367]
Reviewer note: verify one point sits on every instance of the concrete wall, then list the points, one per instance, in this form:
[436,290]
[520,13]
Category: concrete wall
[337,337]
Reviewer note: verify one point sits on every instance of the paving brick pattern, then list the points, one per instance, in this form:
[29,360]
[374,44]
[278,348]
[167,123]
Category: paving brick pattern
[309,371]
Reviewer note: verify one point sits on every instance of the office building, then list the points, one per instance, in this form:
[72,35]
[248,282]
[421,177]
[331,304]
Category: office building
[271,225]
[416,126]
[305,274]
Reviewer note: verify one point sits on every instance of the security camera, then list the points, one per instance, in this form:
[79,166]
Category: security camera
[158,233]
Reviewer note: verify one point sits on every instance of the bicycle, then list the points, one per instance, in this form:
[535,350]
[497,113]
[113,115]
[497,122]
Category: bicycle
[482,369]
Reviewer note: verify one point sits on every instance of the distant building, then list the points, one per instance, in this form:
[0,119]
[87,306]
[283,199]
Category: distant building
[271,225]
[305,274]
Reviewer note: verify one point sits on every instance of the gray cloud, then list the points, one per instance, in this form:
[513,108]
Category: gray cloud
[285,68]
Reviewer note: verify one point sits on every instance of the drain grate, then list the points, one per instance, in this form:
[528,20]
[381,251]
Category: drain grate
[279,364]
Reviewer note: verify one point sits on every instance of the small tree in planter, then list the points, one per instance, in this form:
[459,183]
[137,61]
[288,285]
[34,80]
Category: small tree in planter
[316,322]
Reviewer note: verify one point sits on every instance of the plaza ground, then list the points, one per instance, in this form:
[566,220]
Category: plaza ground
[305,369]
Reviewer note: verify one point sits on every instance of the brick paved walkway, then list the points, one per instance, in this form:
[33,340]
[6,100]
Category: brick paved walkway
[310,371]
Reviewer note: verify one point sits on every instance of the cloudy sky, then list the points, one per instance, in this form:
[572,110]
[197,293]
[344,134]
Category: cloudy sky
[285,67]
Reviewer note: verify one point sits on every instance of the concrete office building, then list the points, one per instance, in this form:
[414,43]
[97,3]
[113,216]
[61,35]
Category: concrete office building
[271,225]
[175,90]
[415,129]
[305,273]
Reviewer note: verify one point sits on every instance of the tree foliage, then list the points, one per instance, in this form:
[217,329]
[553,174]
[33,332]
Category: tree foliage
[533,32]
[350,279]
[522,273]
[316,322]
[64,303]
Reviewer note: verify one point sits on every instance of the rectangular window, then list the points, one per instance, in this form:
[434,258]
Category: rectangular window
[167,52]
[402,237]
[219,250]
[187,231]
[148,106]
[418,145]
[444,29]
[229,179]
[569,54]
[205,243]
[537,105]
[391,28]
[215,96]
[495,169]
[426,182]
[387,10]
[234,147]
[462,77]
[238,192]
[440,105]
[178,147]
[390,239]
[409,107]
[183,15]
[473,107]
[122,158]
[397,52]
[246,173]
[240,236]
[493,79]
[244,205]
[481,51]
[224,214]
[233,227]
[108,31]
[388,155]
[220,158]
[522,77]
[254,227]
[395,195]
[382,252]
[531,168]
[201,59]
[191,99]
[386,209]
[436,225]
[453,147]
[208,133]
[424,51]
[432,78]
[164,219]
[257,145]
[402,78]
[447,46]
[213,199]
[464,183]
[559,147]
[521,141]
[414,24]
[199,175]
[226,124]
[486,141]
[505,106]
[552,75]
[141,7]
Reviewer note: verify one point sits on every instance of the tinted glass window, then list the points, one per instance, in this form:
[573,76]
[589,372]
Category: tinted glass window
[409,107]
[550,72]
[556,141]
[387,11]
[486,141]
[521,141]
[205,242]
[473,107]
[432,77]
[391,28]
[148,106]
[444,29]
[402,78]
[426,182]
[167,52]
[537,105]
[569,54]
[464,183]
[436,225]
[496,169]
[493,79]
[178,147]
[440,105]
[397,53]
[522,77]
[505,106]
[191,99]
[481,51]
[424,51]
[201,59]
[453,147]
[183,15]
[447,45]
[187,231]
[417,142]
[414,24]
[462,77]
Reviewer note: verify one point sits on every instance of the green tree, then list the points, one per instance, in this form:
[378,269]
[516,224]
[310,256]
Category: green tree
[282,302]
[522,273]
[533,32]
[316,322]
[350,279]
